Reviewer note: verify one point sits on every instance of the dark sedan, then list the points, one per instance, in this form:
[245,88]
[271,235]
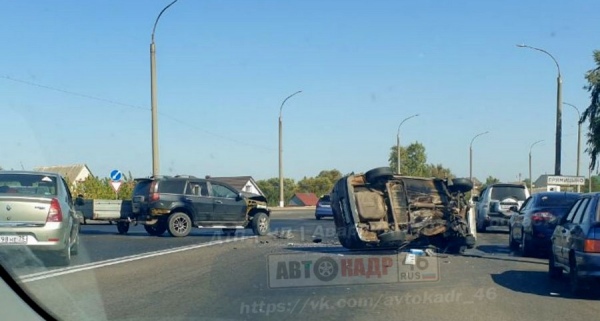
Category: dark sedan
[532,226]
[323,208]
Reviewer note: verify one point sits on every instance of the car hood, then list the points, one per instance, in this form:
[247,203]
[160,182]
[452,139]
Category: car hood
[255,197]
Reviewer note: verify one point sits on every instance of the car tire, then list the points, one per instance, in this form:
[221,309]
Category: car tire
[122,227]
[260,224]
[480,227]
[63,257]
[526,250]
[317,217]
[156,229]
[575,283]
[375,175]
[462,185]
[553,271]
[179,224]
[512,245]
[75,246]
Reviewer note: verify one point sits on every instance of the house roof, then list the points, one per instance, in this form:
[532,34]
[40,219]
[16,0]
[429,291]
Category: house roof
[238,182]
[69,172]
[308,199]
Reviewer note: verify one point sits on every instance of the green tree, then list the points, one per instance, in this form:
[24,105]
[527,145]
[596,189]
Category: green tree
[94,187]
[592,112]
[270,187]
[413,159]
[439,171]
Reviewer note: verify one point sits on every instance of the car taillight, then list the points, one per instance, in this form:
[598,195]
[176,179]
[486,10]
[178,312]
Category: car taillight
[592,243]
[55,213]
[154,196]
[542,217]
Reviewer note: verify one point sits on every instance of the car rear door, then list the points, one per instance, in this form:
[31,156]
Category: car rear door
[571,229]
[558,237]
[227,205]
[197,197]
[575,236]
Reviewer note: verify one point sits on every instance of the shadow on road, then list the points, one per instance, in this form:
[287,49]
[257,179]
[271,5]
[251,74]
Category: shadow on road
[538,283]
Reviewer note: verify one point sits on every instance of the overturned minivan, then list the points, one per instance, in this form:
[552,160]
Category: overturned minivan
[383,210]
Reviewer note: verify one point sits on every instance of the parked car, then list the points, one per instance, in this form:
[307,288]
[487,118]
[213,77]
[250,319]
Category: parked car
[379,209]
[323,208]
[38,211]
[493,204]
[533,224]
[176,204]
[575,245]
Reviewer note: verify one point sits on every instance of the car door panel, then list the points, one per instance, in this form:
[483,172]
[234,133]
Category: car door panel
[196,196]
[227,204]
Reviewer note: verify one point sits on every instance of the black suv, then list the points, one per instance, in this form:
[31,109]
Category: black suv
[176,204]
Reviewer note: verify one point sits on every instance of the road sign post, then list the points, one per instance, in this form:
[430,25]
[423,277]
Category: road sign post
[116,176]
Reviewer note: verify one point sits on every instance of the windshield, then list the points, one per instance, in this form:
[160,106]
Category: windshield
[25,184]
[501,193]
[298,159]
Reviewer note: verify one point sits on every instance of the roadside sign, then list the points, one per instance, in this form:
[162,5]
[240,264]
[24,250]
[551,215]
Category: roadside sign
[116,175]
[115,185]
[566,180]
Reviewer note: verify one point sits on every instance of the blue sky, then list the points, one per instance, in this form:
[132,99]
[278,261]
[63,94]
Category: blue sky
[224,68]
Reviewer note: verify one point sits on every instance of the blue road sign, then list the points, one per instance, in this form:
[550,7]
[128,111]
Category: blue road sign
[116,175]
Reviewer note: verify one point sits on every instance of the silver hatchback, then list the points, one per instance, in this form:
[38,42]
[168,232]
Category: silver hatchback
[37,211]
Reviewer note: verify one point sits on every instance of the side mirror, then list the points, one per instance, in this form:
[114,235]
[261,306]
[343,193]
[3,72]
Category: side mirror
[240,196]
[475,199]
[79,200]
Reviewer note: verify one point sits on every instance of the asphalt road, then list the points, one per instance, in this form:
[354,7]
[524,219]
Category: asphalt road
[208,276]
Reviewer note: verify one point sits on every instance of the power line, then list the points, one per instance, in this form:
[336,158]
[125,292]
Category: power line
[113,102]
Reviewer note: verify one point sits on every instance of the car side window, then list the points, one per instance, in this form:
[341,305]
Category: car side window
[582,208]
[526,205]
[67,191]
[219,190]
[586,214]
[572,211]
[197,189]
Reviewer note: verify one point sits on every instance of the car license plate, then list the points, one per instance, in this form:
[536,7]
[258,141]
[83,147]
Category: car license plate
[13,239]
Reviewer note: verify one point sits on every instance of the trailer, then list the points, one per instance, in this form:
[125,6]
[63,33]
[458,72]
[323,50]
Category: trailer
[111,211]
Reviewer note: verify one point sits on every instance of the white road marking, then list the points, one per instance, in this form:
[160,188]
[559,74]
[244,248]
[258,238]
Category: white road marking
[95,265]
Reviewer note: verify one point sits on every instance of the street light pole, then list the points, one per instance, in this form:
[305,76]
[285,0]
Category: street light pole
[398,142]
[530,178]
[557,155]
[281,201]
[578,140]
[153,102]
[471,155]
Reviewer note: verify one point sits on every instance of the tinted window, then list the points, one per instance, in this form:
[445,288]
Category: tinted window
[171,187]
[325,200]
[28,184]
[580,211]
[573,210]
[223,191]
[142,188]
[503,192]
[197,188]
[557,200]
[527,205]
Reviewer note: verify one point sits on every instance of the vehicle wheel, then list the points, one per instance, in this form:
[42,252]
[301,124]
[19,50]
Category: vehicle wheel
[179,224]
[462,185]
[75,246]
[123,227]
[376,174]
[63,257]
[514,246]
[553,271]
[317,217]
[156,229]
[526,249]
[260,224]
[229,231]
[575,282]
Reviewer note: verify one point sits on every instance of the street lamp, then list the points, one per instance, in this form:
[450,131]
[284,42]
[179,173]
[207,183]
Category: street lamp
[558,110]
[530,179]
[471,155]
[281,202]
[154,108]
[578,139]
[398,141]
